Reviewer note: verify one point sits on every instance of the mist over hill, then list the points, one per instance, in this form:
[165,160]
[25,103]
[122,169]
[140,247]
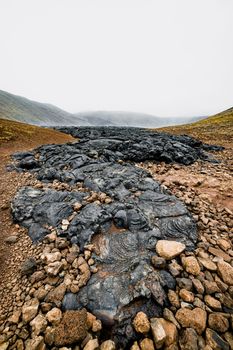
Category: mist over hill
[121,118]
[21,109]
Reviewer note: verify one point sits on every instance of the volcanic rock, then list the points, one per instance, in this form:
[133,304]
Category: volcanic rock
[72,328]
[29,266]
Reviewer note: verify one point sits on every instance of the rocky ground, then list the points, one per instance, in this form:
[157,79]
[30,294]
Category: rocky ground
[199,312]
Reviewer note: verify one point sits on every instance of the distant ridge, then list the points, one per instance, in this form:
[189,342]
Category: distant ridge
[121,118]
[21,109]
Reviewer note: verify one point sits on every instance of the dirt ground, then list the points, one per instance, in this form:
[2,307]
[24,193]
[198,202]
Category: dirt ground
[25,138]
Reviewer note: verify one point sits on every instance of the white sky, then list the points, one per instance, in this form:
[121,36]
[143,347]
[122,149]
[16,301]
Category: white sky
[163,57]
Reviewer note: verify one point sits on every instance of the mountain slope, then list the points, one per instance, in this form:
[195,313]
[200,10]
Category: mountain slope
[20,109]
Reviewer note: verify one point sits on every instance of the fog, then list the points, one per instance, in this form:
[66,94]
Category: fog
[162,57]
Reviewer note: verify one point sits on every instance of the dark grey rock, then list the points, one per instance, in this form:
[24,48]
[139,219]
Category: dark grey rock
[29,266]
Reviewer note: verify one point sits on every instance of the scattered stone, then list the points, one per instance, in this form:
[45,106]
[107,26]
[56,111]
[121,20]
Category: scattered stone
[49,335]
[225,271]
[37,276]
[141,323]
[158,262]
[173,298]
[186,295]
[96,326]
[174,268]
[108,345]
[228,336]
[135,346]
[4,346]
[211,287]
[213,303]
[51,257]
[208,264]
[198,286]
[191,265]
[158,332]
[188,339]
[11,239]
[56,295]
[30,309]
[37,343]
[219,253]
[38,324]
[223,244]
[185,283]
[215,341]
[168,315]
[195,318]
[54,316]
[218,322]
[170,330]
[92,345]
[169,249]
[147,344]
[15,317]
[54,268]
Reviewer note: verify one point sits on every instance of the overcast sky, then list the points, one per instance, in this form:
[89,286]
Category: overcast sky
[163,57]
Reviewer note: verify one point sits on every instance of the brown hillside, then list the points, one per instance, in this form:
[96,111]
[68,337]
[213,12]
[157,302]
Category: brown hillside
[215,129]
[15,136]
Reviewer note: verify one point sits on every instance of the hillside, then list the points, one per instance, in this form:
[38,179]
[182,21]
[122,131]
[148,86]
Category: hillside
[15,136]
[217,128]
[20,109]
